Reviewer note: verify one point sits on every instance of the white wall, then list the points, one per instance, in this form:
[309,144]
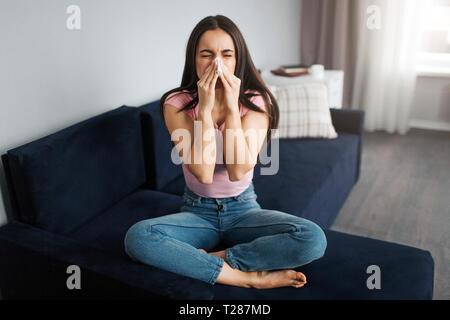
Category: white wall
[127,52]
[431,106]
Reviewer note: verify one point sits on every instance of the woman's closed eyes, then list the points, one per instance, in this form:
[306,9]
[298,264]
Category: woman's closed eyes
[210,56]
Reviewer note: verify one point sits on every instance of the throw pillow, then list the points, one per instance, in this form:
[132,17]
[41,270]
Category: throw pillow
[304,111]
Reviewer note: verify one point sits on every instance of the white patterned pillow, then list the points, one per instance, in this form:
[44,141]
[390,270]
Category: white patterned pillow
[304,111]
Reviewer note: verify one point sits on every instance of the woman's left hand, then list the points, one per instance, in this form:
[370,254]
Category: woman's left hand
[231,88]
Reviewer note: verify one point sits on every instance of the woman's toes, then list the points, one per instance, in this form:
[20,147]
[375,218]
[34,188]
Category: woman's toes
[203,250]
[300,277]
[298,284]
[291,274]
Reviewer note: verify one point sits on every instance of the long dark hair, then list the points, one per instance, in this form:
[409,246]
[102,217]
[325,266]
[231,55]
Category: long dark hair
[245,71]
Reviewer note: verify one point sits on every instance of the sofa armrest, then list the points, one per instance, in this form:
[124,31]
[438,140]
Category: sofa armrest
[348,120]
[33,264]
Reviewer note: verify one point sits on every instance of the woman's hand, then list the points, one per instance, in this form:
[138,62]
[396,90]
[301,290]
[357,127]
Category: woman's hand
[206,88]
[231,88]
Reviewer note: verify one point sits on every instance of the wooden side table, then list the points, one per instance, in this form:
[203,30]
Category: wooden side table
[333,79]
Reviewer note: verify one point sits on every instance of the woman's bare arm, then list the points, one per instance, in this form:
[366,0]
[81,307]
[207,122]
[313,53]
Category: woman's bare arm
[202,167]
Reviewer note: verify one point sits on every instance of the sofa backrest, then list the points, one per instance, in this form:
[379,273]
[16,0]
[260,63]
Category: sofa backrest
[68,177]
[158,148]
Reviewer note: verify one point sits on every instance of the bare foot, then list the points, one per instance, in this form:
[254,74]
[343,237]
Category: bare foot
[275,279]
[267,279]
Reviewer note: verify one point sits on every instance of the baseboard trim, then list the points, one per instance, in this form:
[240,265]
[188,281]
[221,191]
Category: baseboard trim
[430,125]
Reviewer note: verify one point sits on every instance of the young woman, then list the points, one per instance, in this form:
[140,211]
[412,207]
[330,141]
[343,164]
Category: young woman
[219,201]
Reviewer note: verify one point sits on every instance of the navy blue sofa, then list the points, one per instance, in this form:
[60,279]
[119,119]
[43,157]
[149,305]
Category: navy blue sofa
[75,193]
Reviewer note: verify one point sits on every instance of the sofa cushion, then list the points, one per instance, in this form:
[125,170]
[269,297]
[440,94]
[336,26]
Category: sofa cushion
[107,230]
[175,186]
[406,272]
[158,147]
[314,178]
[66,178]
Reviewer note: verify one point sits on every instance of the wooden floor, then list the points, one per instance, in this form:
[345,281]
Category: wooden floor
[403,196]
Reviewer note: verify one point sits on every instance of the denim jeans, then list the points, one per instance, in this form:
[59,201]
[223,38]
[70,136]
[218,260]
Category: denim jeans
[256,239]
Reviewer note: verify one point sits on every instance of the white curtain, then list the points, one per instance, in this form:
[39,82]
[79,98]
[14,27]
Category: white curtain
[385,77]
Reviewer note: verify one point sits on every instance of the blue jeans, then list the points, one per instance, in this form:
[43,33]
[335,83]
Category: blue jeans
[256,238]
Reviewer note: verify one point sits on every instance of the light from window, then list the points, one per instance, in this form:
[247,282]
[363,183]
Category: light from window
[433,56]
[436,32]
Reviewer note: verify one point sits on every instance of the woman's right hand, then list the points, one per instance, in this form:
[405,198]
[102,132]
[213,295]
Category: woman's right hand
[206,87]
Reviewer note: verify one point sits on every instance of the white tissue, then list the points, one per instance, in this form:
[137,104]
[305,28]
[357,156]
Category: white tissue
[219,66]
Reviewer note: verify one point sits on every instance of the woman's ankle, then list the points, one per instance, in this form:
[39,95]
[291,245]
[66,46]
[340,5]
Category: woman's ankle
[236,277]
[219,254]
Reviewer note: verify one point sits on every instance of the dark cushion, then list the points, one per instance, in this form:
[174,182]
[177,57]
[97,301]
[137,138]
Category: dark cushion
[314,178]
[157,143]
[107,230]
[175,186]
[66,178]
[158,147]
[34,262]
[406,272]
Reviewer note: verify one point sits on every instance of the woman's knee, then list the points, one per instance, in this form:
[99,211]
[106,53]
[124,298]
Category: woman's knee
[134,238]
[313,238]
[320,240]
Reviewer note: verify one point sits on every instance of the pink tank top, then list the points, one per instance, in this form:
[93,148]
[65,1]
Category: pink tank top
[221,187]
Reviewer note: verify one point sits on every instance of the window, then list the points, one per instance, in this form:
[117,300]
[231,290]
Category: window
[434,50]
